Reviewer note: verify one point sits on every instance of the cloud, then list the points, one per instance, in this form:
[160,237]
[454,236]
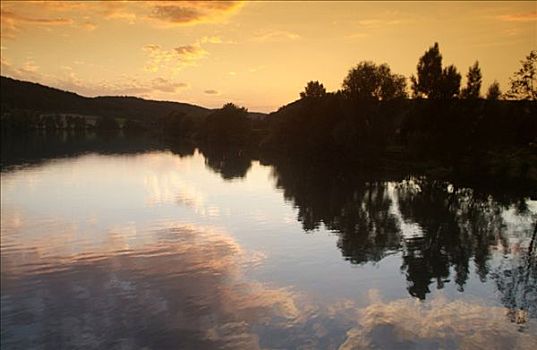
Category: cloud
[5,64]
[143,88]
[520,17]
[378,23]
[30,67]
[89,26]
[12,16]
[211,40]
[211,92]
[173,59]
[13,22]
[28,70]
[366,27]
[120,87]
[190,52]
[256,68]
[17,16]
[275,36]
[163,85]
[193,12]
[70,81]
[112,10]
[135,87]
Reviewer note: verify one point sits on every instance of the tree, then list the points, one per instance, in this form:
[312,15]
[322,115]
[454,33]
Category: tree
[473,82]
[450,83]
[367,81]
[177,124]
[429,70]
[432,81]
[313,89]
[494,93]
[227,126]
[524,81]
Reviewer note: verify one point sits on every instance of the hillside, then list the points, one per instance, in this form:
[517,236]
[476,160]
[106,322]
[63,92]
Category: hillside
[16,94]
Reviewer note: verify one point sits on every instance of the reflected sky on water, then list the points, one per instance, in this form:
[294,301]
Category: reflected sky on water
[207,249]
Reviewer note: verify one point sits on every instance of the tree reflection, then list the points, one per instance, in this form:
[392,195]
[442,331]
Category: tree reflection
[457,226]
[516,280]
[356,209]
[442,245]
[182,149]
[229,162]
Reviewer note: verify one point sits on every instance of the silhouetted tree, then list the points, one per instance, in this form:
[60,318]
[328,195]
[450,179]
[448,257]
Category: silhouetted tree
[432,81]
[450,83]
[313,89]
[429,73]
[494,93]
[473,82]
[524,81]
[178,125]
[367,81]
[228,125]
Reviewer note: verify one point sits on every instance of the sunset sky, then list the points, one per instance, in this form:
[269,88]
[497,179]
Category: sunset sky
[256,54]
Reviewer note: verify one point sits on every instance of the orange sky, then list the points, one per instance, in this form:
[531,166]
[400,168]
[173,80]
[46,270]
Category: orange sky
[256,54]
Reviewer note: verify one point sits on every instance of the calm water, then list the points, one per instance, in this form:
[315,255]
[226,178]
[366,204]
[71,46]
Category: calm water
[122,246]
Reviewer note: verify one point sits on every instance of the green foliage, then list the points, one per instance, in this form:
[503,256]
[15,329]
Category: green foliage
[524,81]
[367,81]
[494,93]
[473,83]
[313,89]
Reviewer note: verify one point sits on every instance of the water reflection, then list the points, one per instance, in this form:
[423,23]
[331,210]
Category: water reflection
[454,226]
[516,280]
[183,291]
[160,250]
[229,162]
[437,324]
[38,147]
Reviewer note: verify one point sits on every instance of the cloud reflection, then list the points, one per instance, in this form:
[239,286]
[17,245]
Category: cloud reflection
[184,291]
[438,324]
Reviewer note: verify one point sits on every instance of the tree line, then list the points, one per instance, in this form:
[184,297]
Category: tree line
[375,116]
[369,81]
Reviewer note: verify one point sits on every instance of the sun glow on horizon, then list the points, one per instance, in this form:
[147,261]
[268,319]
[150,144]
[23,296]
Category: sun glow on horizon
[256,54]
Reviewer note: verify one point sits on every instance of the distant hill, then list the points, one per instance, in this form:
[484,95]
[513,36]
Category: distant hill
[17,94]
